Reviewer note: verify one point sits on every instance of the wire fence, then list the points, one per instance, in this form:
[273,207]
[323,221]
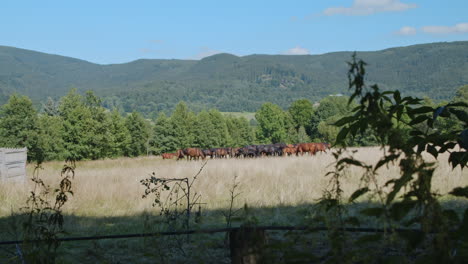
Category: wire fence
[222,230]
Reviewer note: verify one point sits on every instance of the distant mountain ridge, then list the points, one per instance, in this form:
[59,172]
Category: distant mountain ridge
[232,83]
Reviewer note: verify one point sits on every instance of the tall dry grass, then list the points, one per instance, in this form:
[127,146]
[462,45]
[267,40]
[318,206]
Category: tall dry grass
[112,187]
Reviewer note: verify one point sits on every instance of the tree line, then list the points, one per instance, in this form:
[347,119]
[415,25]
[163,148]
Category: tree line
[79,127]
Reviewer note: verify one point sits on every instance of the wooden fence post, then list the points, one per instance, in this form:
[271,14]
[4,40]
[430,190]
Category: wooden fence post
[246,244]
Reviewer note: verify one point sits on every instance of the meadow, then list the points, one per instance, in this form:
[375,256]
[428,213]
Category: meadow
[112,187]
[108,194]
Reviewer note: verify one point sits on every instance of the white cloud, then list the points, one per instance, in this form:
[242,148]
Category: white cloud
[369,7]
[458,28]
[406,31]
[204,52]
[297,51]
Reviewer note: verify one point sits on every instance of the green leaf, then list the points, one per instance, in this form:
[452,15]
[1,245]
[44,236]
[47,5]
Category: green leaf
[463,139]
[447,146]
[460,192]
[460,114]
[416,133]
[351,161]
[462,104]
[342,135]
[397,185]
[438,111]
[386,160]
[397,96]
[458,158]
[418,120]
[373,211]
[345,120]
[358,193]
[431,149]
[422,110]
[399,112]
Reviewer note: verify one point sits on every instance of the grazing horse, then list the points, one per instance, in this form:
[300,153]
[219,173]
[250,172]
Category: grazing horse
[169,155]
[194,153]
[322,147]
[247,151]
[289,150]
[180,154]
[311,148]
[221,152]
[234,152]
[207,153]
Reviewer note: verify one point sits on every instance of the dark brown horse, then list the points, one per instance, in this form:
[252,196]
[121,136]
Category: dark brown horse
[180,154]
[190,153]
[234,152]
[207,153]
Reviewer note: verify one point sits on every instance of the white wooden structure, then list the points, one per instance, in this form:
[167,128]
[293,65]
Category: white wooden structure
[13,164]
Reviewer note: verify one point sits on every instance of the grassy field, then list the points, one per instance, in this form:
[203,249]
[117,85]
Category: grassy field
[112,187]
[108,193]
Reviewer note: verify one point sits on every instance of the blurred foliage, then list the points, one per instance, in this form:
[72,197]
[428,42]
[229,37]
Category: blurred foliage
[405,128]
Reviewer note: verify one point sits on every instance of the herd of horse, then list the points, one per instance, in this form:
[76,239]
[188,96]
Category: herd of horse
[251,151]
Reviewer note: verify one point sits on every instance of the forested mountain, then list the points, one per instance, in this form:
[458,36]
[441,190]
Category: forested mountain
[231,83]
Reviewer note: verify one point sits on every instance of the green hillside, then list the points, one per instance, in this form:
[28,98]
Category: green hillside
[231,83]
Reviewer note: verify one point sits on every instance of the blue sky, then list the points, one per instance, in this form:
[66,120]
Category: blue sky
[121,31]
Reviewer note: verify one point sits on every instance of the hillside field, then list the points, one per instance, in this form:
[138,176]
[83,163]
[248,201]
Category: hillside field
[108,197]
[107,188]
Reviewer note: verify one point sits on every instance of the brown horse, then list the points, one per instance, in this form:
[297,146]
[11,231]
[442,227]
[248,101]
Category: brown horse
[168,155]
[288,151]
[221,152]
[180,154]
[193,153]
[322,147]
[310,148]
